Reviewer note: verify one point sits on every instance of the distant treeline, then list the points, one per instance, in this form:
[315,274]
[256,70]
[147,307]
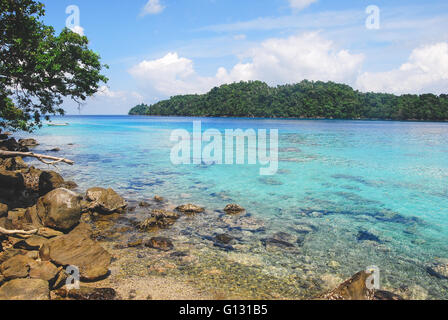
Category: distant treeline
[306,99]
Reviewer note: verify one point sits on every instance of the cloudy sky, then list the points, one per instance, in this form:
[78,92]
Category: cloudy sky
[159,48]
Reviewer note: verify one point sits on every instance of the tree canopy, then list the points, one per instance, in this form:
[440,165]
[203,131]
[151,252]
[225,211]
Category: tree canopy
[307,99]
[39,69]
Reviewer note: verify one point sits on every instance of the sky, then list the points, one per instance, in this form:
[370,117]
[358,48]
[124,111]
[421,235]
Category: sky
[159,48]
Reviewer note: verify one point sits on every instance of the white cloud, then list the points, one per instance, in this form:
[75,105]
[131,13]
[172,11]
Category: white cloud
[78,29]
[300,4]
[276,61]
[425,71]
[152,7]
[105,92]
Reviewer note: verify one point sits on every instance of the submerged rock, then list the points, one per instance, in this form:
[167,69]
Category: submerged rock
[78,249]
[160,243]
[233,209]
[367,236]
[105,200]
[438,270]
[59,209]
[144,204]
[25,289]
[272,243]
[158,198]
[190,209]
[224,238]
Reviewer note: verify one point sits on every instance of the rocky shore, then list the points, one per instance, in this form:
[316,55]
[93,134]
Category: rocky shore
[52,229]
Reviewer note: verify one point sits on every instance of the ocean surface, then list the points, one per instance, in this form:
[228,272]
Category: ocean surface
[347,194]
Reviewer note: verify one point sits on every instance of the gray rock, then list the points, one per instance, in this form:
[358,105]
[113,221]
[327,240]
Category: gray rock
[25,289]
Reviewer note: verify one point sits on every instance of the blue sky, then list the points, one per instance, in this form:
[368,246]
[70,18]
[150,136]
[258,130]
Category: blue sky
[159,48]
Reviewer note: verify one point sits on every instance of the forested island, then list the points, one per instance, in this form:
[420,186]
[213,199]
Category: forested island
[307,99]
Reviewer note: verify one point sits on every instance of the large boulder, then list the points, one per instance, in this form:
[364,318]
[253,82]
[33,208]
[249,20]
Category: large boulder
[78,249]
[105,200]
[12,145]
[59,209]
[50,180]
[25,289]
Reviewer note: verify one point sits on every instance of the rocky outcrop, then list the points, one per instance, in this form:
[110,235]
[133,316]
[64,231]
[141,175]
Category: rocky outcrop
[11,181]
[356,288]
[233,209]
[50,180]
[59,209]
[190,209]
[78,249]
[12,145]
[105,200]
[13,164]
[25,289]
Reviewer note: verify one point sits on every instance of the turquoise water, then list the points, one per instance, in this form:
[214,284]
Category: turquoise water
[339,177]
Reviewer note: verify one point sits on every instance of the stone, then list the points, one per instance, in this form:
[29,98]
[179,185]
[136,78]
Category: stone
[50,180]
[158,198]
[54,150]
[87,293]
[59,209]
[12,145]
[78,249]
[11,180]
[159,219]
[16,267]
[25,289]
[3,210]
[144,204]
[28,142]
[233,209]
[48,233]
[13,164]
[32,243]
[135,243]
[31,177]
[44,270]
[10,253]
[105,200]
[355,288]
[160,243]
[224,238]
[190,209]
[438,270]
[271,243]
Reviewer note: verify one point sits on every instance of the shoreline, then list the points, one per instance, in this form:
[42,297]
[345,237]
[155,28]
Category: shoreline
[174,266]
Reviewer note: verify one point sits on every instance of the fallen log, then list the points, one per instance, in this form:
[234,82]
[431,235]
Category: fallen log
[39,157]
[17,232]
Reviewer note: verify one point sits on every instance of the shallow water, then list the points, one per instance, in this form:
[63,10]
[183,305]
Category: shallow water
[367,193]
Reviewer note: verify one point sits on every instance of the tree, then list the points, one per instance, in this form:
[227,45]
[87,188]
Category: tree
[39,69]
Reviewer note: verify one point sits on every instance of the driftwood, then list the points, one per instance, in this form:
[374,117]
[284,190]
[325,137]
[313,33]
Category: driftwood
[39,157]
[17,232]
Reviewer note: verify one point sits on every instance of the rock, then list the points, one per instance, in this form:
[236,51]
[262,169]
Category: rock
[54,150]
[78,249]
[271,243]
[11,180]
[31,177]
[233,209]
[144,204]
[224,238]
[158,198]
[50,180]
[44,270]
[283,236]
[25,289]
[136,243]
[48,233]
[32,243]
[13,164]
[16,267]
[438,270]
[86,293]
[59,209]
[159,219]
[355,288]
[70,185]
[160,243]
[105,200]
[190,209]
[10,253]
[12,145]
[3,210]
[367,236]
[28,143]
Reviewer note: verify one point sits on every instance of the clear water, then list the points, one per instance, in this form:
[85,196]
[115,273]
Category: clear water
[340,177]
